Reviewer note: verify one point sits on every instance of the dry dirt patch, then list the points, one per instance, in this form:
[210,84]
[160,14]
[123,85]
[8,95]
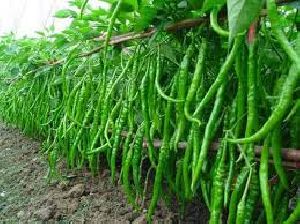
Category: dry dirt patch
[26,197]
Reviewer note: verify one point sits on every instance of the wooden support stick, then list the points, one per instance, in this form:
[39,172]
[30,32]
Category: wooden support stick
[184,24]
[290,156]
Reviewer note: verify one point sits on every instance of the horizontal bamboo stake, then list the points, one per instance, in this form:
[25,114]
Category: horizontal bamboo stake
[287,164]
[184,24]
[291,156]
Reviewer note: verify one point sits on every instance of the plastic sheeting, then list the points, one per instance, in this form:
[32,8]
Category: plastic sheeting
[24,17]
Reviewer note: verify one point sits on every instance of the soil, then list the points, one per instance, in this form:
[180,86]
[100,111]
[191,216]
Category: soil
[27,197]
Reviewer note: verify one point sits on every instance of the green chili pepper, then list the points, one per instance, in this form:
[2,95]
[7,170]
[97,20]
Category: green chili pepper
[117,140]
[215,25]
[263,177]
[163,153]
[253,196]
[125,176]
[218,187]
[282,213]
[285,98]
[196,80]
[137,158]
[208,133]
[276,154]
[182,83]
[236,194]
[146,116]
[295,215]
[186,163]
[221,77]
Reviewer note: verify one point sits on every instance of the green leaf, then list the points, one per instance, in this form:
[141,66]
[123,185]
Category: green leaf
[40,33]
[65,13]
[241,14]
[182,5]
[127,7]
[195,4]
[76,3]
[295,4]
[98,12]
[147,15]
[133,3]
[210,4]
[169,53]
[51,28]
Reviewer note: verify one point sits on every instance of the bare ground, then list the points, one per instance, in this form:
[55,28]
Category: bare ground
[27,197]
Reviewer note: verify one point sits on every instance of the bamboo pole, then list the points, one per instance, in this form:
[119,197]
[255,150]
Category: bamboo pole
[171,28]
[291,156]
